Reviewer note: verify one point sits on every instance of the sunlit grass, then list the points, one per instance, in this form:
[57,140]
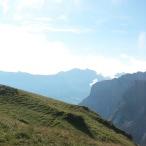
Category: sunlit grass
[30,119]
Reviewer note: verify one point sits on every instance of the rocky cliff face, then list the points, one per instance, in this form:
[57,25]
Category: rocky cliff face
[105,96]
[123,101]
[131,113]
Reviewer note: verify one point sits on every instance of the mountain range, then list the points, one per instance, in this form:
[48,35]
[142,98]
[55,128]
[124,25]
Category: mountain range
[70,86]
[120,100]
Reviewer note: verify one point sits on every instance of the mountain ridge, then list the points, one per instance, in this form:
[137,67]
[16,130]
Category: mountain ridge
[31,119]
[111,92]
[63,86]
[108,99]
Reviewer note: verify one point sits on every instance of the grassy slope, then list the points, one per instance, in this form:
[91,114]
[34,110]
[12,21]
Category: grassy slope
[30,119]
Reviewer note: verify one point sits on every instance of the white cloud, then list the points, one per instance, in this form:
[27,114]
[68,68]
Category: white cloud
[142,40]
[29,52]
[62,17]
[93,82]
[71,30]
[5,6]
[33,4]
[50,4]
[43,19]
[25,51]
[41,27]
[132,64]
[21,50]
[52,11]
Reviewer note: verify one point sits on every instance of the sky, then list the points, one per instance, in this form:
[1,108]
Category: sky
[48,36]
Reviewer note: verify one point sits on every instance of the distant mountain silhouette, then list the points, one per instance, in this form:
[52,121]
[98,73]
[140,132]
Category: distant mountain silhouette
[70,86]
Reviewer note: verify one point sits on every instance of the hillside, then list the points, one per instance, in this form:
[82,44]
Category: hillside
[30,119]
[130,115]
[64,86]
[105,96]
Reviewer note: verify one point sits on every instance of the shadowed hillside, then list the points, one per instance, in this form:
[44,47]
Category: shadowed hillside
[122,100]
[130,115]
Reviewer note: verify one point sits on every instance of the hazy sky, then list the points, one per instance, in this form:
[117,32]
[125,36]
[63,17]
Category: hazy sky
[47,36]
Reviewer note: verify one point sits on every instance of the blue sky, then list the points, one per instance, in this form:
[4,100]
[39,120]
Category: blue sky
[46,36]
